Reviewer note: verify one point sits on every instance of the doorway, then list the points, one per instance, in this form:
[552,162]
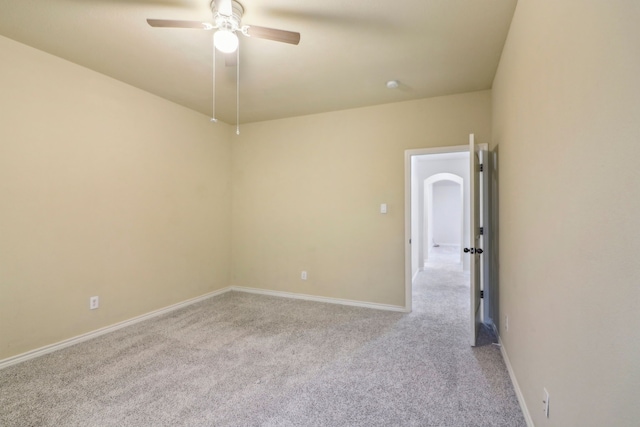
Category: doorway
[442,213]
[433,175]
[425,168]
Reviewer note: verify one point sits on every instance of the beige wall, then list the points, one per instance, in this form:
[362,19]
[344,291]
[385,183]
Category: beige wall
[307,191]
[104,190]
[107,190]
[566,120]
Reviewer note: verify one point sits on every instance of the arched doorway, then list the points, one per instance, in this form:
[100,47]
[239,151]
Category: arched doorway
[443,218]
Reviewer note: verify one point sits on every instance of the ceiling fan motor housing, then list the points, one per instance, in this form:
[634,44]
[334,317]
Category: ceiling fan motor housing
[231,23]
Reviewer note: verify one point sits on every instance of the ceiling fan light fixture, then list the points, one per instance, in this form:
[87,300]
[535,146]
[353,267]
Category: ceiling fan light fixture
[225,41]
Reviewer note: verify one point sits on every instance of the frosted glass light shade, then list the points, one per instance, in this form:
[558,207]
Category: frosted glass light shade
[225,41]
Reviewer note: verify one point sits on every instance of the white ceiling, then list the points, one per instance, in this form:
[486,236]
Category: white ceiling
[347,52]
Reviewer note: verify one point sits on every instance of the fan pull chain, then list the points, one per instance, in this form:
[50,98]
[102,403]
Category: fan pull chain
[213,86]
[238,91]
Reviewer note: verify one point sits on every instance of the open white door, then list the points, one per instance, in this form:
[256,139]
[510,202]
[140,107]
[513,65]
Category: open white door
[475,249]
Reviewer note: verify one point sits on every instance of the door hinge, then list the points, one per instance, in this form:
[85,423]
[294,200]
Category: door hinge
[481,294]
[481,231]
[409,241]
[481,167]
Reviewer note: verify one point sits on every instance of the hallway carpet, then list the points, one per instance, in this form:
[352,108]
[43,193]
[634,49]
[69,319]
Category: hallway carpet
[250,360]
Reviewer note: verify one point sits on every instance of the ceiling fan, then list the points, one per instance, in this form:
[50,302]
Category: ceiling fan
[227,21]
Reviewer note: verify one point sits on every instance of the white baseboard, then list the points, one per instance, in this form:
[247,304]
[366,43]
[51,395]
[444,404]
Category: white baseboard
[516,386]
[315,298]
[418,271]
[107,329]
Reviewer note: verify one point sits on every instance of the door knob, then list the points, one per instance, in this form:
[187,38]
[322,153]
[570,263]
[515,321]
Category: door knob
[473,250]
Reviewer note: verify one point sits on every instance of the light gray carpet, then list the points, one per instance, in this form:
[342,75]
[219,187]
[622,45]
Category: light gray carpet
[250,360]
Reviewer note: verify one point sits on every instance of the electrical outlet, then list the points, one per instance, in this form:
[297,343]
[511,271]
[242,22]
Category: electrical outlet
[545,402]
[94,303]
[303,275]
[506,323]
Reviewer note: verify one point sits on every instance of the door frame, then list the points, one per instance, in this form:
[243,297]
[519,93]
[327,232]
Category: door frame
[408,154]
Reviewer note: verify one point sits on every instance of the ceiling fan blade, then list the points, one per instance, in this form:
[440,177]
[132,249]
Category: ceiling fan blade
[224,7]
[272,34]
[170,23]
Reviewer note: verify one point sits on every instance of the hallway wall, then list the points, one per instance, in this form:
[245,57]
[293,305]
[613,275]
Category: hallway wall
[447,203]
